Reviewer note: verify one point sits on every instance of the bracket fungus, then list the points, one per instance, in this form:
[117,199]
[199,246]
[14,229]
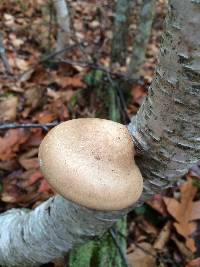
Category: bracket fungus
[91,163]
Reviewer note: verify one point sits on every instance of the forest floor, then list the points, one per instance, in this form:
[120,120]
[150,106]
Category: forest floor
[40,89]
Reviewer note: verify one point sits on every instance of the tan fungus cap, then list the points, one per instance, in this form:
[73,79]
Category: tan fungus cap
[91,162]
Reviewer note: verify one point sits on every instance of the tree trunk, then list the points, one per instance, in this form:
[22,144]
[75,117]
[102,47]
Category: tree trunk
[36,237]
[167,125]
[166,129]
[142,37]
[120,31]
[63,21]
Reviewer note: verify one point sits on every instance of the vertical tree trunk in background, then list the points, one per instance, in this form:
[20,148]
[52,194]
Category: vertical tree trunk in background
[120,31]
[147,12]
[167,126]
[63,21]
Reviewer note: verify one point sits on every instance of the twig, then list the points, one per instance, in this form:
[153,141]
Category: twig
[113,235]
[92,65]
[4,57]
[27,126]
[48,57]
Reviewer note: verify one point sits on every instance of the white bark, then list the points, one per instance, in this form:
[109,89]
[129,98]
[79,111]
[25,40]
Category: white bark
[167,126]
[63,21]
[48,232]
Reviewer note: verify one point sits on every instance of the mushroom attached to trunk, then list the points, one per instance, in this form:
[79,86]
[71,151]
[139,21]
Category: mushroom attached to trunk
[91,163]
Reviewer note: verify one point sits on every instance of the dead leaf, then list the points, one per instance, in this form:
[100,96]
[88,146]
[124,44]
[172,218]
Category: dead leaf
[34,178]
[33,97]
[184,212]
[157,203]
[28,160]
[9,165]
[22,64]
[75,82]
[182,248]
[163,237]
[45,117]
[10,143]
[44,186]
[138,93]
[143,256]
[194,263]
[8,108]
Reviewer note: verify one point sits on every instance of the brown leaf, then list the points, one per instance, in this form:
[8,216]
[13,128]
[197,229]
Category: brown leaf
[10,143]
[44,186]
[45,117]
[182,248]
[143,256]
[163,237]
[194,263]
[185,211]
[33,97]
[157,203]
[75,82]
[8,108]
[28,160]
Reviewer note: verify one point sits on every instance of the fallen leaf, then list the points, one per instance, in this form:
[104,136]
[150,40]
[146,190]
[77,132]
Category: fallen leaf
[29,160]
[158,204]
[194,263]
[184,212]
[44,186]
[33,97]
[45,117]
[34,178]
[163,237]
[182,248]
[138,93]
[8,108]
[10,143]
[75,82]
[143,256]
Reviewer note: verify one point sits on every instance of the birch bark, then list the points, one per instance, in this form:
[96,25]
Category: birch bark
[167,126]
[166,129]
[63,21]
[48,232]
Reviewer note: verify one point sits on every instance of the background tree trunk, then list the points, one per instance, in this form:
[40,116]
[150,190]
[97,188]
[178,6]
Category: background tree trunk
[167,125]
[63,21]
[120,31]
[147,12]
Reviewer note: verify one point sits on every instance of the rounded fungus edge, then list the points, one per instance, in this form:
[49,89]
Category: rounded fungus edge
[91,162]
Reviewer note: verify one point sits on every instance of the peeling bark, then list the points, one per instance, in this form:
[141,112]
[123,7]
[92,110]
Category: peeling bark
[167,126]
[63,20]
[30,238]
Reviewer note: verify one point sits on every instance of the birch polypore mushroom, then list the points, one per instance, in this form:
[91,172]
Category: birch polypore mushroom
[91,163]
